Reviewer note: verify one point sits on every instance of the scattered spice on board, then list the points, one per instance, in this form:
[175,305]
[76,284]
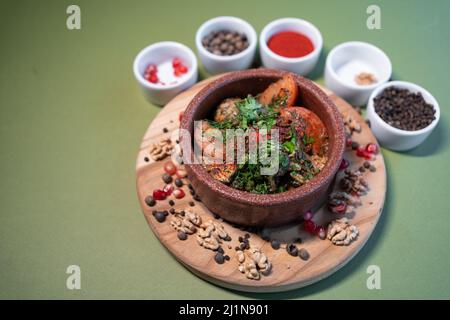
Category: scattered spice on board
[404,109]
[341,232]
[292,249]
[314,228]
[160,216]
[225,42]
[150,201]
[275,244]
[365,79]
[303,254]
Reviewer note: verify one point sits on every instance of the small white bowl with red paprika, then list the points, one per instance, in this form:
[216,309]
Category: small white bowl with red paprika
[164,69]
[290,44]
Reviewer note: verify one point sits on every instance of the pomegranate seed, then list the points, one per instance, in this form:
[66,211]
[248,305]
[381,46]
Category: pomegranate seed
[170,168]
[339,209]
[182,68]
[176,62]
[308,215]
[349,142]
[321,232]
[153,78]
[181,173]
[368,155]
[344,164]
[151,69]
[180,116]
[360,152]
[309,226]
[178,193]
[168,189]
[159,194]
[177,72]
[372,148]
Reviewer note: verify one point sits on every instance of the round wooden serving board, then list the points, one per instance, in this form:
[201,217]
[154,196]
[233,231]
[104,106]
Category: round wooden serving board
[288,272]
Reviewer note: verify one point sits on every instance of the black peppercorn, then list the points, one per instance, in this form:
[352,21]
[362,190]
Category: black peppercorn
[178,182]
[303,254]
[167,178]
[182,235]
[292,249]
[160,216]
[150,201]
[219,258]
[275,244]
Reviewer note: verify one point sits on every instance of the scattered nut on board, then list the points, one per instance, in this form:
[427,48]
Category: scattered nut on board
[341,232]
[162,149]
[187,223]
[211,234]
[253,263]
[353,182]
[351,125]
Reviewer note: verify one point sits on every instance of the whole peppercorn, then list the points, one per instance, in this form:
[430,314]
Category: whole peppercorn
[167,178]
[225,42]
[219,258]
[150,201]
[303,254]
[275,244]
[178,182]
[292,249]
[182,235]
[160,216]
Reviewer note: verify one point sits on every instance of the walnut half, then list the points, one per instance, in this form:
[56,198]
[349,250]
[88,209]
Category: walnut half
[341,232]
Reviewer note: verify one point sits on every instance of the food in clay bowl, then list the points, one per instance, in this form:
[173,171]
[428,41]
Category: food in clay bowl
[309,147]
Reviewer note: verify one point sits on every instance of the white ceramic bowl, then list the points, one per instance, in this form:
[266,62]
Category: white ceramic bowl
[217,64]
[364,57]
[302,65]
[156,54]
[393,138]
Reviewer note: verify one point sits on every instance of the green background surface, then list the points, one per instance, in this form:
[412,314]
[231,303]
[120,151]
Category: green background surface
[71,121]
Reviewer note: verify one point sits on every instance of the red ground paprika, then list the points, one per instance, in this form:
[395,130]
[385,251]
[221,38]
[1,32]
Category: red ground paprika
[290,44]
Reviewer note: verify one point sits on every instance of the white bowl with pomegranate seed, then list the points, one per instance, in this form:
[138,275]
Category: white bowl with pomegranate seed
[164,69]
[215,64]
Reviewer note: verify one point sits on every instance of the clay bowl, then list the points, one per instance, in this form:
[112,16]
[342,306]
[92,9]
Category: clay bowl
[250,209]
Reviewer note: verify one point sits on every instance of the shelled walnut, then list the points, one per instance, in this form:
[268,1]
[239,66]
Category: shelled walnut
[162,149]
[211,234]
[187,223]
[253,263]
[351,125]
[341,232]
[354,183]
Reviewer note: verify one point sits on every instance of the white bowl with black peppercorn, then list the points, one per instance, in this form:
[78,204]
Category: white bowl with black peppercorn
[402,115]
[226,44]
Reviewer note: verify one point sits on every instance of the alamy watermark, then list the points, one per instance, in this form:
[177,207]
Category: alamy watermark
[374,280]
[73,281]
[73,21]
[373,21]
